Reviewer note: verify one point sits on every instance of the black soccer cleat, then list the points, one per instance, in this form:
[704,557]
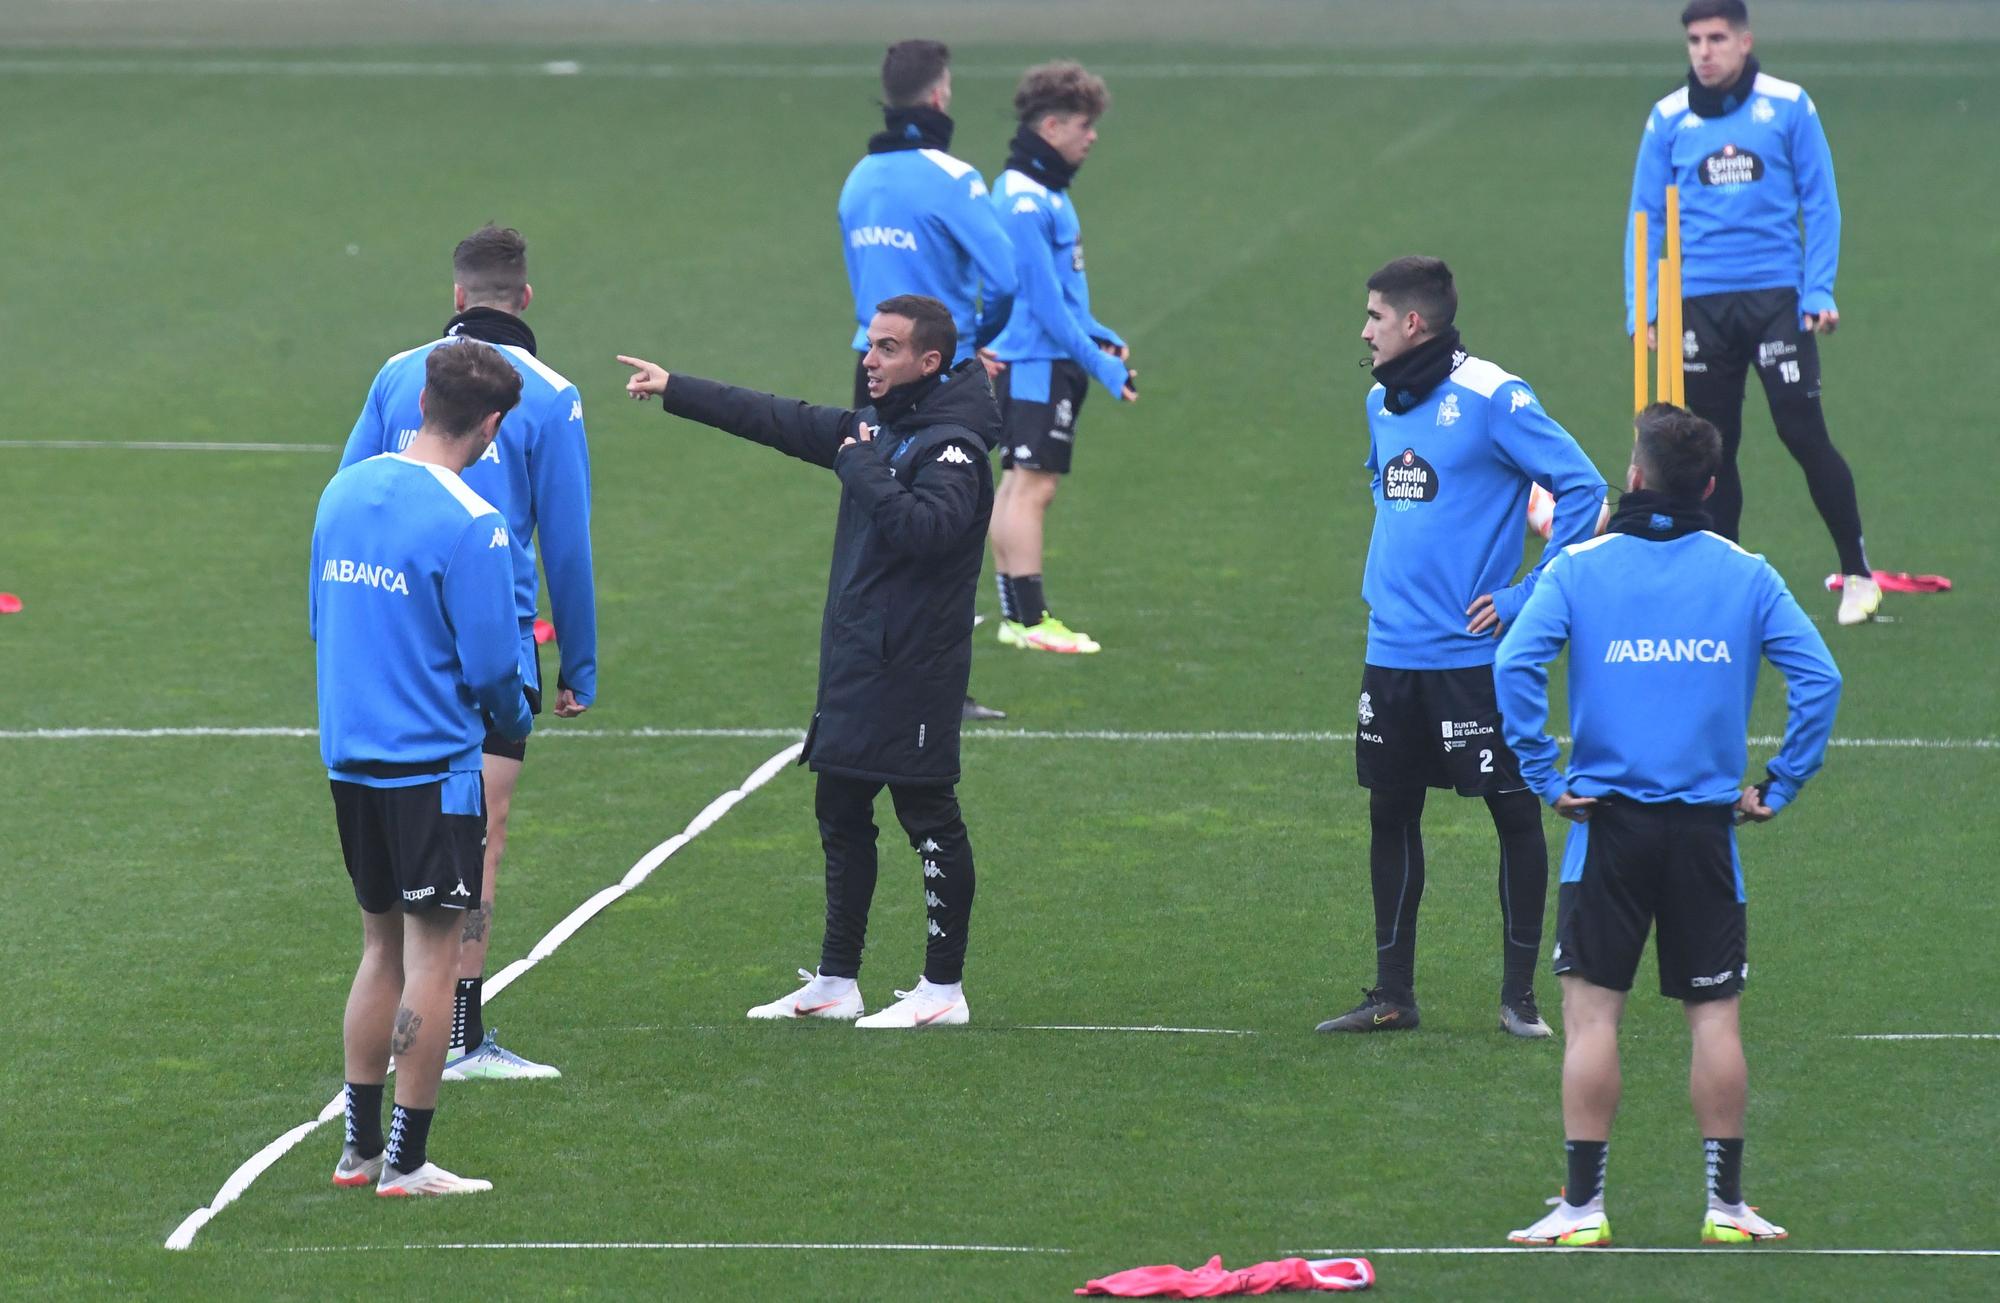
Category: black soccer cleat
[1521,1016]
[1380,1010]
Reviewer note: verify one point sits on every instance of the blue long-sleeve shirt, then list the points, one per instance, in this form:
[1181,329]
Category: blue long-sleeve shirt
[1665,639]
[916,221]
[1451,478]
[1052,318]
[410,602]
[1746,182]
[537,473]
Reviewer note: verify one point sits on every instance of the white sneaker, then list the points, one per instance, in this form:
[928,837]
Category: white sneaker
[927,1006]
[820,997]
[490,1061]
[427,1180]
[1567,1226]
[1859,596]
[353,1170]
[1738,1225]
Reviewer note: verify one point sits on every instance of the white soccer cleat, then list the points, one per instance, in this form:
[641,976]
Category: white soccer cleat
[927,1006]
[820,997]
[1738,1225]
[430,1179]
[353,1170]
[1860,595]
[490,1061]
[1568,1227]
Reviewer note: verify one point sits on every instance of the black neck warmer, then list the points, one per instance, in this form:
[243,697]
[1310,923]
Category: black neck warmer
[1408,377]
[917,127]
[1721,101]
[1657,516]
[1032,156]
[902,399]
[491,326]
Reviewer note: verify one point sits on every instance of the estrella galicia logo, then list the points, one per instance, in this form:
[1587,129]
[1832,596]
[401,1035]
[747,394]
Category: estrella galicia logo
[1408,480]
[1731,165]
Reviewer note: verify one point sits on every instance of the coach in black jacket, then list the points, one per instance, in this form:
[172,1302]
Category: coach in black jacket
[896,637]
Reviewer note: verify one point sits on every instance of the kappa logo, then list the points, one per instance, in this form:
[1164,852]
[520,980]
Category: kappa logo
[360,572]
[420,894]
[1521,398]
[956,455]
[1690,346]
[1647,651]
[1065,414]
[931,870]
[460,890]
[978,188]
[935,930]
[1366,711]
[930,846]
[1763,110]
[1023,452]
[576,410]
[931,899]
[499,538]
[882,237]
[1448,412]
[1024,204]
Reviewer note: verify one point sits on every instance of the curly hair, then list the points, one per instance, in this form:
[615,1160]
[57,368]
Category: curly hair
[1063,86]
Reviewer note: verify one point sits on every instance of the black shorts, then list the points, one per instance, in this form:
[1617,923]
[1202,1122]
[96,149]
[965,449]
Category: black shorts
[1725,334]
[423,846]
[1634,863]
[1039,402]
[498,743]
[1432,728]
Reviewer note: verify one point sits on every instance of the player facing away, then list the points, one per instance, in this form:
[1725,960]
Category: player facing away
[537,473]
[1750,159]
[896,639]
[412,607]
[1666,624]
[1455,444]
[914,220]
[1052,345]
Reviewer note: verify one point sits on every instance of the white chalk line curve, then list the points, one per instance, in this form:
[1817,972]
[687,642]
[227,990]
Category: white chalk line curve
[241,1179]
[666,1245]
[1926,1036]
[1762,1251]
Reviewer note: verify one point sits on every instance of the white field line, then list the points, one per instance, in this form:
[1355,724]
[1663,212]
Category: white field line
[138,446]
[241,1179]
[1927,1036]
[676,1244]
[1173,1031]
[1521,70]
[1762,1251]
[970,734]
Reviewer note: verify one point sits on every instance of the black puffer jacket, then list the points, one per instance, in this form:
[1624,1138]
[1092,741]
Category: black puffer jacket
[895,647]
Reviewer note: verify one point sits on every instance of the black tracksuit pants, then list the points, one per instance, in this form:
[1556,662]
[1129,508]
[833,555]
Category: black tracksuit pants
[930,818]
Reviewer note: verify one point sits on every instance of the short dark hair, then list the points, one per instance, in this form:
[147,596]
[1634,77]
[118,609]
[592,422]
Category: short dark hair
[466,381]
[492,264]
[911,68]
[1733,12]
[1675,450]
[1421,285]
[931,326]
[1063,86]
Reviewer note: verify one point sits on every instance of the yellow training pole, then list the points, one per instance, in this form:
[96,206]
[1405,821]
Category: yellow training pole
[1639,259]
[1677,374]
[1663,383]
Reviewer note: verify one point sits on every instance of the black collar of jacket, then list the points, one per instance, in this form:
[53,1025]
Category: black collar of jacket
[1032,156]
[1409,377]
[1657,516]
[491,326]
[962,396]
[916,127]
[1721,101]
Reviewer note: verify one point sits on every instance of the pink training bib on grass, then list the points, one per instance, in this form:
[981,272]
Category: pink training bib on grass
[9,604]
[1333,1275]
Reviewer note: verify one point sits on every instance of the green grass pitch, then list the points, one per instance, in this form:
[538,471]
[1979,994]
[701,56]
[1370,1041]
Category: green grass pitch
[229,257]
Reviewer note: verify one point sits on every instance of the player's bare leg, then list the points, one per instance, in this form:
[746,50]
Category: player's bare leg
[1719,1086]
[1020,508]
[419,1038]
[364,1035]
[1590,1090]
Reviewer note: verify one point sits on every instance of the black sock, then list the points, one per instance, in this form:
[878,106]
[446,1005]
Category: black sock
[1030,602]
[409,1137]
[364,1118]
[468,1025]
[1008,611]
[1396,877]
[1725,1170]
[1587,1159]
[1524,887]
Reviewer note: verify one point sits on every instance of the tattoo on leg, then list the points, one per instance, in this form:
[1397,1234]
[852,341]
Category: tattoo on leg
[477,921]
[408,1024]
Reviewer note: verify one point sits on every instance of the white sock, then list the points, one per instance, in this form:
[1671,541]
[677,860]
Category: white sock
[940,990]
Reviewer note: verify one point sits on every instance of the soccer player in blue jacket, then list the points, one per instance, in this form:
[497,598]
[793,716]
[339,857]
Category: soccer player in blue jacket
[1454,446]
[1052,345]
[1666,624]
[537,472]
[411,604]
[1750,159]
[914,220]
